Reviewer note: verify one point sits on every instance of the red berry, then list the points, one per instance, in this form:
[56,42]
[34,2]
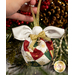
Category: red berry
[44,3]
[36,2]
[9,19]
[10,22]
[27,22]
[7,22]
[47,7]
[48,3]
[7,25]
[43,7]
[29,13]
[47,0]
[63,27]
[22,22]
[14,20]
[21,11]
[19,23]
[24,13]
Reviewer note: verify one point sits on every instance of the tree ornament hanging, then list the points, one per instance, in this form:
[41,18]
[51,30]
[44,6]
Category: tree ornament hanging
[37,48]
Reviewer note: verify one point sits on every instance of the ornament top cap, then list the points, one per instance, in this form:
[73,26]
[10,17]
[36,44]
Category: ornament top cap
[36,30]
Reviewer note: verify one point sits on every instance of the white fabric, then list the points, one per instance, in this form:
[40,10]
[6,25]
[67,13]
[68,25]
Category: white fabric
[42,46]
[36,30]
[23,32]
[54,32]
[43,60]
[26,55]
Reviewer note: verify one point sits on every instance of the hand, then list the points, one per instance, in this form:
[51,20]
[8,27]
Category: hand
[12,6]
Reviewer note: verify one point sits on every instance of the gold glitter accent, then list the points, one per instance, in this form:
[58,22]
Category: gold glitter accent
[52,46]
[36,56]
[35,64]
[28,58]
[41,62]
[41,19]
[43,45]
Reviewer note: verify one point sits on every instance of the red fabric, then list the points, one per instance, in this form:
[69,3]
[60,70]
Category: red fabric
[42,39]
[36,54]
[26,43]
[49,45]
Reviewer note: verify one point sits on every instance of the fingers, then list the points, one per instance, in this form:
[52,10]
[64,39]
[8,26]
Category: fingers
[19,16]
[28,8]
[22,1]
[32,2]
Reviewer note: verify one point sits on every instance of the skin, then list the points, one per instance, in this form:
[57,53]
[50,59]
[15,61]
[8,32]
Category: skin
[12,6]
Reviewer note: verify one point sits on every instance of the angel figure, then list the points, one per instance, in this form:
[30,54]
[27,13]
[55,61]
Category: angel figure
[32,52]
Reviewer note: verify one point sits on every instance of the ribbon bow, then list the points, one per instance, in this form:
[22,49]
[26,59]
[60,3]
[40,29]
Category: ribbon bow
[35,37]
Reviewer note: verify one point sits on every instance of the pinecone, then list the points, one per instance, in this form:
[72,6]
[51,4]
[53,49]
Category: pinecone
[56,14]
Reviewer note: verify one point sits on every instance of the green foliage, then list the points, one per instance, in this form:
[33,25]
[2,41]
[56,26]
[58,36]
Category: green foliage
[61,48]
[43,72]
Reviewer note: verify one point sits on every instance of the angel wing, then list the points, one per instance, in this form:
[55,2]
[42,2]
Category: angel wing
[21,32]
[54,32]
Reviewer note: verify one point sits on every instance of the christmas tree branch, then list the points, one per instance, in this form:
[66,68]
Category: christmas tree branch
[61,48]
